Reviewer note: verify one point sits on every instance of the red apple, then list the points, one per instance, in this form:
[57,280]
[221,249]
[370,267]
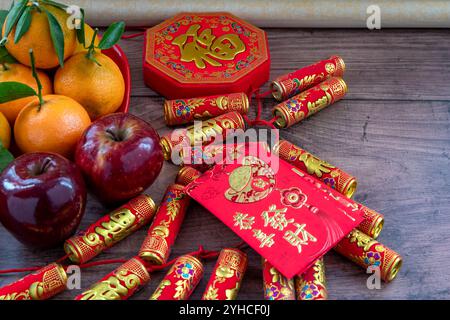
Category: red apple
[42,198]
[120,156]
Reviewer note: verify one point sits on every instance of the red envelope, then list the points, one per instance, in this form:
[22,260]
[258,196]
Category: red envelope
[288,217]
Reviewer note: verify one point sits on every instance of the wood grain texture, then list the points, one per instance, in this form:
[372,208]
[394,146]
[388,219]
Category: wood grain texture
[392,131]
[389,64]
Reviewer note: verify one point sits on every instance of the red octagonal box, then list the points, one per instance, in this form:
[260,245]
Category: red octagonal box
[199,54]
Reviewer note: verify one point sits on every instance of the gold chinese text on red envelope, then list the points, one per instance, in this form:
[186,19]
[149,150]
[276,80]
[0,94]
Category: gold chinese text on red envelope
[288,217]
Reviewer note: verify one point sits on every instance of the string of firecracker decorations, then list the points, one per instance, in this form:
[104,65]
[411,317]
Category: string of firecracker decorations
[308,91]
[129,277]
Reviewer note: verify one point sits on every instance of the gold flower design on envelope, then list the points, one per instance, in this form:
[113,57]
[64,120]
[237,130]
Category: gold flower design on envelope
[252,181]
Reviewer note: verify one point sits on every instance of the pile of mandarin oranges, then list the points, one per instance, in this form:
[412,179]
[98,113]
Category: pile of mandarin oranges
[54,78]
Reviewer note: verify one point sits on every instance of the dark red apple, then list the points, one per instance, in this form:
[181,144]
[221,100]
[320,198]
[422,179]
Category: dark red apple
[42,198]
[120,156]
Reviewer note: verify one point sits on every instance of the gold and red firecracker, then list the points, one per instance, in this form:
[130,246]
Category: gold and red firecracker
[166,225]
[181,280]
[329,174]
[373,222]
[367,252]
[186,175]
[182,111]
[312,284]
[309,102]
[120,284]
[332,176]
[276,286]
[293,83]
[39,285]
[227,275]
[203,158]
[200,158]
[210,130]
[110,229]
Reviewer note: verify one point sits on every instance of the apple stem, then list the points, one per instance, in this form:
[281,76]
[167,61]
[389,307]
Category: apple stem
[41,168]
[45,165]
[36,77]
[113,135]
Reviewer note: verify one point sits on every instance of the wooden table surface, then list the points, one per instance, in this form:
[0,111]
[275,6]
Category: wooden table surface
[392,131]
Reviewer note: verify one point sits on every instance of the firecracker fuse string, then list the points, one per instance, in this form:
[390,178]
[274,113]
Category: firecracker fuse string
[303,93]
[324,87]
[48,281]
[124,281]
[180,111]
[127,279]
[285,114]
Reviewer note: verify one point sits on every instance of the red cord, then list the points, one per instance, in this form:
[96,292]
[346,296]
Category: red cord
[133,35]
[19,270]
[259,107]
[82,266]
[101,263]
[252,92]
[241,245]
[201,253]
[130,28]
[265,93]
[62,258]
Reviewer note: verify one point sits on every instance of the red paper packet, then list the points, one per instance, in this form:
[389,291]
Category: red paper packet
[288,217]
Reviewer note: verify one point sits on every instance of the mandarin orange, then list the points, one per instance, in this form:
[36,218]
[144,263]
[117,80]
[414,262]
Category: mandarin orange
[20,73]
[98,86]
[5,131]
[39,39]
[56,126]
